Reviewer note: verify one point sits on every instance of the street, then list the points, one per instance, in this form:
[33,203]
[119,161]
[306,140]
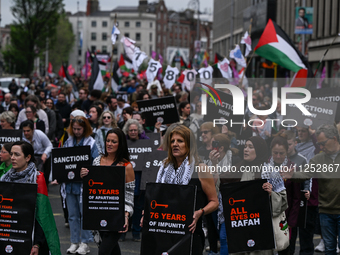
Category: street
[128,247]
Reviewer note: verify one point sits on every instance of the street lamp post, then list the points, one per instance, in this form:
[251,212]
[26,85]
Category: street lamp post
[175,18]
[196,5]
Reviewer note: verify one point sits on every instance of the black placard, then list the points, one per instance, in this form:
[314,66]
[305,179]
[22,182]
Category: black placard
[247,214]
[156,138]
[10,136]
[67,162]
[302,217]
[224,111]
[138,150]
[168,212]
[104,198]
[17,212]
[164,107]
[328,94]
[151,166]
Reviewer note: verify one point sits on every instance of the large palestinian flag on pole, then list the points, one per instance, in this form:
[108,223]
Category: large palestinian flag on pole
[276,46]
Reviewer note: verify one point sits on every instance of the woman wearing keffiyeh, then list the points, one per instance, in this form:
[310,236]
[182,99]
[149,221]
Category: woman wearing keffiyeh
[179,168]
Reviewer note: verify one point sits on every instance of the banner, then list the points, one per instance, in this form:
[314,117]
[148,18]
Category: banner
[224,111]
[151,166]
[304,20]
[155,138]
[302,217]
[10,136]
[104,198]
[138,150]
[323,112]
[161,109]
[328,94]
[168,212]
[248,218]
[67,162]
[17,203]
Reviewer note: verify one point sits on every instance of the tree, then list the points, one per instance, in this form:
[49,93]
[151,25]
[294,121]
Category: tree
[61,43]
[35,20]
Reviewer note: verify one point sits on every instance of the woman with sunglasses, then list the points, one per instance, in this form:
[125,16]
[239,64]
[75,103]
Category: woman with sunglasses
[107,122]
[116,154]
[79,135]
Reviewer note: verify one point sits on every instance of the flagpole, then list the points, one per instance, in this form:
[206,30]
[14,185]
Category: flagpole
[111,65]
[325,54]
[244,71]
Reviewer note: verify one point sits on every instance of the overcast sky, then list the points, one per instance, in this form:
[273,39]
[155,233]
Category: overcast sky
[71,5]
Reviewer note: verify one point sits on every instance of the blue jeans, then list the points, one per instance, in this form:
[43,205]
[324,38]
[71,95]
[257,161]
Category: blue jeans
[330,230]
[223,240]
[75,219]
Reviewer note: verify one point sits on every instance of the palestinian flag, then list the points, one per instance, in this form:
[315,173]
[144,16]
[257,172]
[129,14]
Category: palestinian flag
[96,80]
[183,64]
[44,216]
[67,78]
[218,58]
[115,76]
[276,46]
[125,63]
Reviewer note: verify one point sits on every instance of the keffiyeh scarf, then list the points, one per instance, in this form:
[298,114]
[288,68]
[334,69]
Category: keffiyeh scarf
[29,175]
[272,174]
[168,174]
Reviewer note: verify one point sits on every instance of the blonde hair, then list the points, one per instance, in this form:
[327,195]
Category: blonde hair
[113,119]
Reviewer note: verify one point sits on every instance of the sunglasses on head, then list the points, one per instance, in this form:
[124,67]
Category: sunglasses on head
[78,120]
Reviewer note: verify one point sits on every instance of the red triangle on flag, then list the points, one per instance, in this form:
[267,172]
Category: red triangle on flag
[300,78]
[121,61]
[181,78]
[62,72]
[268,35]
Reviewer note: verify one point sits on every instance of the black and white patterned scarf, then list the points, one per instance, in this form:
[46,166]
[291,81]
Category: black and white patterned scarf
[272,174]
[29,175]
[168,174]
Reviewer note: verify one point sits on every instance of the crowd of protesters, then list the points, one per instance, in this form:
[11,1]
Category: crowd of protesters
[54,114]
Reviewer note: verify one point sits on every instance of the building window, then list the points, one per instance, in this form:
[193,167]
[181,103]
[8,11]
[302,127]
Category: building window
[93,48]
[115,51]
[150,24]
[104,24]
[104,49]
[93,23]
[159,27]
[138,24]
[127,35]
[137,36]
[79,52]
[159,39]
[104,36]
[93,36]
[80,24]
[164,38]
[150,37]
[126,24]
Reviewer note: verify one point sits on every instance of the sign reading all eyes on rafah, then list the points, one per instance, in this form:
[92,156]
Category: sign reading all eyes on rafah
[322,112]
[330,95]
[17,203]
[162,109]
[10,136]
[168,212]
[138,150]
[247,214]
[152,164]
[104,198]
[67,162]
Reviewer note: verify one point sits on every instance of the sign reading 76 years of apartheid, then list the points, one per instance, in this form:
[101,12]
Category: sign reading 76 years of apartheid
[17,211]
[104,198]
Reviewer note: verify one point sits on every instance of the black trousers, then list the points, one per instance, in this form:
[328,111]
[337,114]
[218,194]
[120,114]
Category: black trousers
[305,234]
[109,244]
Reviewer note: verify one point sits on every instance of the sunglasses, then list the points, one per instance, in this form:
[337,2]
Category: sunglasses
[323,143]
[106,117]
[206,132]
[78,120]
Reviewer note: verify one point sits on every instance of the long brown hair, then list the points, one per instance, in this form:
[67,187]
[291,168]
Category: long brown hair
[83,122]
[190,145]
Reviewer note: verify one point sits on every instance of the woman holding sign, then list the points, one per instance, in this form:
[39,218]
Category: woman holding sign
[182,166]
[79,135]
[46,237]
[116,154]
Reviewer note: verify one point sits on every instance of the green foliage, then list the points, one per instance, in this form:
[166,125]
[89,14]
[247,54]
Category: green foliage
[35,20]
[61,43]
